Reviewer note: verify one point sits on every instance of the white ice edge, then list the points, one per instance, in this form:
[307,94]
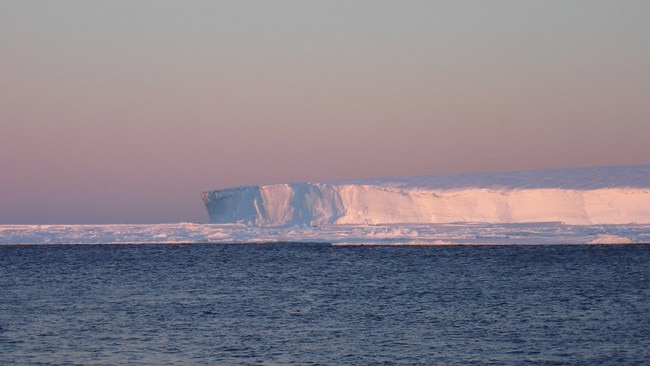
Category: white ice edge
[395,234]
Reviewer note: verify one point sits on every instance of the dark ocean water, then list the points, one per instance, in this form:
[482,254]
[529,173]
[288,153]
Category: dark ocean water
[317,304]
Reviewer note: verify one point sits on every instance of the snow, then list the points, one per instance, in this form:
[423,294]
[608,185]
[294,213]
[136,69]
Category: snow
[604,205]
[582,196]
[335,234]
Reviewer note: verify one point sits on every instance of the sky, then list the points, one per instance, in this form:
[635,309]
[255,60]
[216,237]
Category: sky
[125,111]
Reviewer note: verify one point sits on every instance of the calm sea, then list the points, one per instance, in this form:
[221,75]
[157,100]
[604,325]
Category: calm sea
[307,304]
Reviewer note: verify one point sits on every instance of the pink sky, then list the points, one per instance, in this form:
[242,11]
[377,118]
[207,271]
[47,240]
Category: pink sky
[124,112]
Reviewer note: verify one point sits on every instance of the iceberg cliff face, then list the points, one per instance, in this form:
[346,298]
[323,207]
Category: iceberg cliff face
[583,196]
[276,205]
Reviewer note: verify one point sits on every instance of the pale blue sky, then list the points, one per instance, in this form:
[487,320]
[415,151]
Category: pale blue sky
[124,111]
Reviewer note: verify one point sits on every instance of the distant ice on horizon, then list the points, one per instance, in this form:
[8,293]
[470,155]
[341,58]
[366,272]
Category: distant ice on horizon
[603,205]
[548,233]
[578,196]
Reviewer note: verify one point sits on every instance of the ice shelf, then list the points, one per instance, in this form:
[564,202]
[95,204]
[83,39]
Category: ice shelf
[579,196]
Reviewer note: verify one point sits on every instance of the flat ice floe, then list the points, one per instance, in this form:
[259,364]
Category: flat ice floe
[391,234]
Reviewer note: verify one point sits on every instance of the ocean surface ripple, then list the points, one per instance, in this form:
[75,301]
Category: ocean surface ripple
[309,304]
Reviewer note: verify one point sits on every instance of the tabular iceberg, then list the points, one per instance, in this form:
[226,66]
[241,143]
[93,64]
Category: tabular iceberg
[579,196]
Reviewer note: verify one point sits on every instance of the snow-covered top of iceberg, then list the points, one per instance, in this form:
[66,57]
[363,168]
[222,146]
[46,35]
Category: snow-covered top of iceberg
[621,176]
[598,195]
